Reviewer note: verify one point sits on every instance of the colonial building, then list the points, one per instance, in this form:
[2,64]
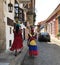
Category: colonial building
[28,7]
[9,22]
[42,24]
[31,12]
[10,12]
[53,22]
[6,25]
[2,28]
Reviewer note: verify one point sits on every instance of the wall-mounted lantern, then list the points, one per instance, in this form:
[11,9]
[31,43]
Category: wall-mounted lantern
[10,7]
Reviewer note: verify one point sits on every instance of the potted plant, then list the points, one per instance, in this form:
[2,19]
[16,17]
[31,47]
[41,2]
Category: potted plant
[58,35]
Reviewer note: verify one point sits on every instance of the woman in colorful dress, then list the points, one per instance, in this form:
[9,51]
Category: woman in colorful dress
[18,41]
[32,43]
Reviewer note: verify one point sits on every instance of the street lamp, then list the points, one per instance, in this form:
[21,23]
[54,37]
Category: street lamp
[10,7]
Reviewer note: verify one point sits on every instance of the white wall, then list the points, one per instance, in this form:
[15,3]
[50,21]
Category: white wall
[11,16]
[9,36]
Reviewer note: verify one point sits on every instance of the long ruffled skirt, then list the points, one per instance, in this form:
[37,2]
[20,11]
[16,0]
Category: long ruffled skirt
[17,44]
[33,50]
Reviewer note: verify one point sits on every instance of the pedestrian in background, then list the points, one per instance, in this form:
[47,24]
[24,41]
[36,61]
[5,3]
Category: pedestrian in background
[18,41]
[32,43]
[26,32]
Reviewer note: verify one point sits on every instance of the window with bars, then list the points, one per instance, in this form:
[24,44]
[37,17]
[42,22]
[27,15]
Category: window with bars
[10,41]
[59,23]
[21,15]
[16,8]
[10,30]
[51,28]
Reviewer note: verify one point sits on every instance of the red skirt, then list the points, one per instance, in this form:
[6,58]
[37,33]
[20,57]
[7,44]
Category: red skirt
[17,44]
[33,50]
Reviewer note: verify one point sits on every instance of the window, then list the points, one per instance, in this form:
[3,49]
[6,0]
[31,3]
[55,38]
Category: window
[59,23]
[10,30]
[10,41]
[51,28]
[21,15]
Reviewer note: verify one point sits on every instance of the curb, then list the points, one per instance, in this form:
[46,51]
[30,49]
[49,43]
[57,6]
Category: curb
[19,58]
[8,58]
[55,40]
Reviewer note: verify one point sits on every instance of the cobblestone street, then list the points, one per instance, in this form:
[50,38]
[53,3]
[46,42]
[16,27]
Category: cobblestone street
[23,23]
[8,58]
[49,54]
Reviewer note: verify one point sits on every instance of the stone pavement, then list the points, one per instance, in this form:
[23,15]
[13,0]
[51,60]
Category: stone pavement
[48,54]
[55,40]
[4,63]
[8,58]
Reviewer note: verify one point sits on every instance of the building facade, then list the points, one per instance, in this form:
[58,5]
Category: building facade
[2,28]
[8,18]
[52,23]
[9,23]
[28,7]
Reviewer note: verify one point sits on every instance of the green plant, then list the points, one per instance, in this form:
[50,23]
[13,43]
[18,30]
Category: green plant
[58,34]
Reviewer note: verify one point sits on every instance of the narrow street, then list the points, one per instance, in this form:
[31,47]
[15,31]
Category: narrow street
[49,54]
[23,21]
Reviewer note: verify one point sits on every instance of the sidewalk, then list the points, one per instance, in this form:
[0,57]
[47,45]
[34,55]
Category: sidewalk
[55,40]
[8,58]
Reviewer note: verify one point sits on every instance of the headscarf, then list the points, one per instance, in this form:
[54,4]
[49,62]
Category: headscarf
[32,30]
[17,27]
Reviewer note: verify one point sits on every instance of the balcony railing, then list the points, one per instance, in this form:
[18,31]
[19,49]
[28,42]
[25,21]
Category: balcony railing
[22,1]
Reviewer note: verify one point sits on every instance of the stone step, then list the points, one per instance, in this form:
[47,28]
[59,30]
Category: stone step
[4,63]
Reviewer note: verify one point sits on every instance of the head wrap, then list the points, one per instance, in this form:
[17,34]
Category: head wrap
[17,25]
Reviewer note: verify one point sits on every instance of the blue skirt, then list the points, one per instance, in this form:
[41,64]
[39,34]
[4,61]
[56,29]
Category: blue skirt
[33,50]
[32,47]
